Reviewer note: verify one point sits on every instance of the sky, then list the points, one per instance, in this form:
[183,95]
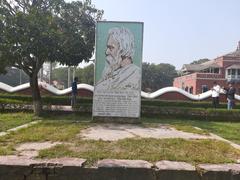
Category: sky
[180,31]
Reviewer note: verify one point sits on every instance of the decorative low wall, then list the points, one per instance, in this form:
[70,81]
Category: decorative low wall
[20,168]
[85,90]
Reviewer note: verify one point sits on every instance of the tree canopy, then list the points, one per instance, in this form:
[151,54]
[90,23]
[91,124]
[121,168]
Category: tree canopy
[14,77]
[85,75]
[157,76]
[35,31]
[200,61]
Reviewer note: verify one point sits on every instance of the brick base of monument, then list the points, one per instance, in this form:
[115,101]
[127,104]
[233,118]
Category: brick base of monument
[120,120]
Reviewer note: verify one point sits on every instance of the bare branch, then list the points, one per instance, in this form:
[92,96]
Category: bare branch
[27,70]
[10,8]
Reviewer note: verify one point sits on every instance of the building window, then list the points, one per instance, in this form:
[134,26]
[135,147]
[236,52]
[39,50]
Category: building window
[191,90]
[229,72]
[183,85]
[204,88]
[216,70]
[233,74]
[238,74]
[211,70]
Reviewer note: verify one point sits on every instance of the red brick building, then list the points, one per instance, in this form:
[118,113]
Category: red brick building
[198,78]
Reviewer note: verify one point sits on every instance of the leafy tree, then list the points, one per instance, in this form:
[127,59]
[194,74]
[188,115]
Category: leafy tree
[157,76]
[60,74]
[35,31]
[85,75]
[13,77]
[200,61]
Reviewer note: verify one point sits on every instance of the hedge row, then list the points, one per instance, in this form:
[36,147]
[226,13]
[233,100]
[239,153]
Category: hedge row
[65,100]
[191,104]
[151,111]
[181,112]
[192,113]
[47,100]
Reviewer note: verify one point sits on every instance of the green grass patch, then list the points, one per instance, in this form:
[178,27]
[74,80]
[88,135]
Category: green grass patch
[227,130]
[178,126]
[64,131]
[11,120]
[66,127]
[54,127]
[149,149]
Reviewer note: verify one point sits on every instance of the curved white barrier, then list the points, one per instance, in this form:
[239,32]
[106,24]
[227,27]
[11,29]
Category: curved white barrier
[64,91]
[44,85]
[11,89]
[153,95]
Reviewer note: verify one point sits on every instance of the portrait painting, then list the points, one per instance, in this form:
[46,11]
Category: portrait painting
[118,67]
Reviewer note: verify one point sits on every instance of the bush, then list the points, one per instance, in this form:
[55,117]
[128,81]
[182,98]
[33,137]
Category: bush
[175,109]
[47,100]
[192,113]
[191,104]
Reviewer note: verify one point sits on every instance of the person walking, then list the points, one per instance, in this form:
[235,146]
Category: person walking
[74,92]
[215,94]
[230,93]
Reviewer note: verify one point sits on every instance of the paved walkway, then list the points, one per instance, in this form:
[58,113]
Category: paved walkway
[114,132]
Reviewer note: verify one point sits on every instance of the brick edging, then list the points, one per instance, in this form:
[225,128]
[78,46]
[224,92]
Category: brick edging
[14,168]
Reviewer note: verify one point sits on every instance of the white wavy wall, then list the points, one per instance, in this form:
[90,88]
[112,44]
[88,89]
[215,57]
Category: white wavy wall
[153,95]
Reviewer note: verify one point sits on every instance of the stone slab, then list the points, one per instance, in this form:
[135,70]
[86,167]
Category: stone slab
[220,171]
[119,163]
[25,161]
[105,133]
[67,162]
[16,161]
[113,132]
[167,170]
[115,169]
[173,165]
[220,167]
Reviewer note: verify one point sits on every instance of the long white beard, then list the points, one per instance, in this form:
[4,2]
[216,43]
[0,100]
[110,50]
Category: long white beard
[111,65]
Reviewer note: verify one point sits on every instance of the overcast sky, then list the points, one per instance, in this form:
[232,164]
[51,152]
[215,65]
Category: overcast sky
[180,31]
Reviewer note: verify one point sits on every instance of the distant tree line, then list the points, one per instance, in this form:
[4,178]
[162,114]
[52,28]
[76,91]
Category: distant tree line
[85,75]
[154,76]
[200,61]
[14,77]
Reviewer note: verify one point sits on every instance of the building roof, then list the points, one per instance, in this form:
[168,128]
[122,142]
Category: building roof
[212,63]
[200,67]
[235,53]
[234,66]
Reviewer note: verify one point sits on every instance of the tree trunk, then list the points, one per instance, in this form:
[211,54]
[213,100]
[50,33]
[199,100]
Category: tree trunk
[37,102]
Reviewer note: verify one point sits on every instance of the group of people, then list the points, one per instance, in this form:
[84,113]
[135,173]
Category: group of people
[229,92]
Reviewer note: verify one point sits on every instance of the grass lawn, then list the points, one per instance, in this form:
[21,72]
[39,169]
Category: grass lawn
[149,149]
[227,130]
[65,129]
[8,121]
